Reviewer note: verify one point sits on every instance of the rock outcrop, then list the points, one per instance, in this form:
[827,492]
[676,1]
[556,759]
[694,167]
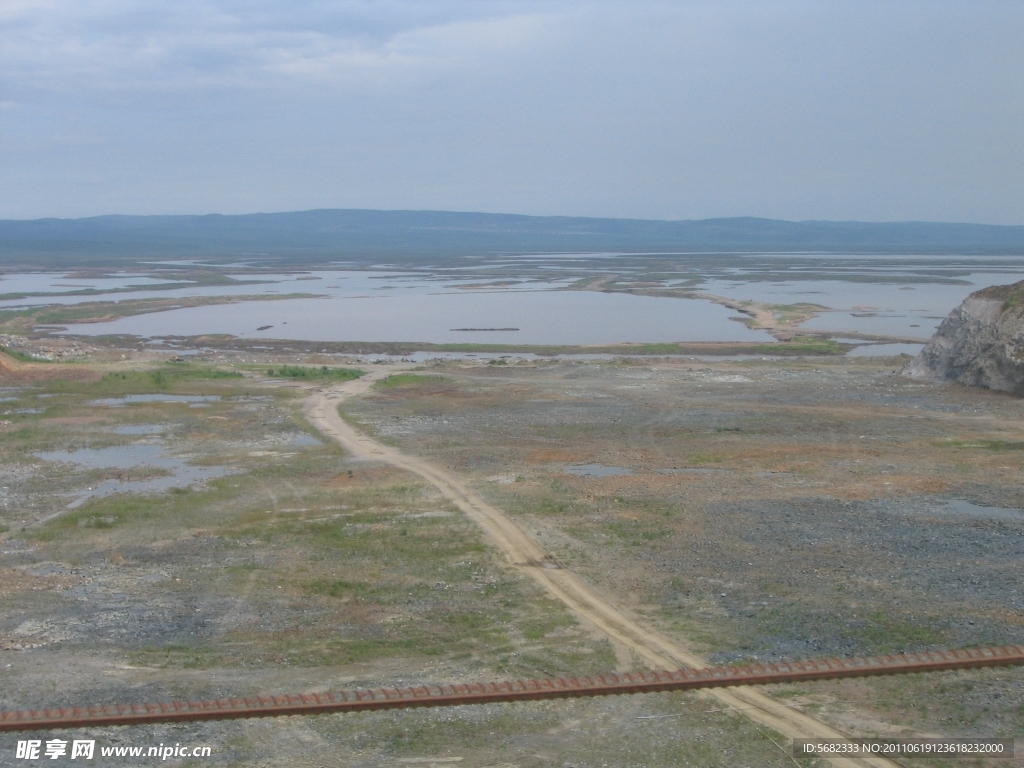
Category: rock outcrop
[981,343]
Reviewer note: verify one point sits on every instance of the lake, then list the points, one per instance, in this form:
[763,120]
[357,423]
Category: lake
[905,296]
[541,317]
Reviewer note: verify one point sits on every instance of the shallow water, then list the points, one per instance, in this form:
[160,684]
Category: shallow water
[134,456]
[59,282]
[910,309]
[596,470]
[542,317]
[693,471]
[195,401]
[141,429]
[333,283]
[962,508]
[303,440]
[894,296]
[885,350]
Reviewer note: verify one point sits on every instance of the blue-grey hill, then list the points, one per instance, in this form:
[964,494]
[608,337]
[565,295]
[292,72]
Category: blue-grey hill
[323,235]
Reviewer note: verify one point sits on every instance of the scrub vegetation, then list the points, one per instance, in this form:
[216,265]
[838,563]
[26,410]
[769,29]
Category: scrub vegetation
[313,372]
[756,509]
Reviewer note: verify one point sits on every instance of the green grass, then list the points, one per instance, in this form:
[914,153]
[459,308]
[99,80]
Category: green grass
[179,373]
[109,512]
[1015,299]
[872,632]
[347,567]
[312,372]
[988,445]
[409,380]
[103,310]
[163,379]
[21,356]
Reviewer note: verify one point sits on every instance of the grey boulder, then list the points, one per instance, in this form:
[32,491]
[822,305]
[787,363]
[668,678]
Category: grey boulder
[980,343]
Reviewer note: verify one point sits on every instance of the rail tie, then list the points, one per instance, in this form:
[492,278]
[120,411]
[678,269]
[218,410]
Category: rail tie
[607,684]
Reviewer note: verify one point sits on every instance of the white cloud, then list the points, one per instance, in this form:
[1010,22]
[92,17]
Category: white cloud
[692,108]
[412,55]
[66,47]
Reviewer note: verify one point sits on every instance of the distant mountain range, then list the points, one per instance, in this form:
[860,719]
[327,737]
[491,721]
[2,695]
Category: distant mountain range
[382,235]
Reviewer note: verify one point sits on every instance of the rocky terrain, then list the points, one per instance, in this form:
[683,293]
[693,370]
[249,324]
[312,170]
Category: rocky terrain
[980,344]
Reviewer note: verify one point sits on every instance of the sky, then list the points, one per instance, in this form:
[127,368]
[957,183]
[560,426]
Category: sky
[874,111]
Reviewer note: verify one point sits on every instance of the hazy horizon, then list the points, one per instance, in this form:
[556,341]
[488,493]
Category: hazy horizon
[115,214]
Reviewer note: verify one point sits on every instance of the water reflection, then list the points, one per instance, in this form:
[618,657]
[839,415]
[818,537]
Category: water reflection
[542,317]
[596,470]
[175,471]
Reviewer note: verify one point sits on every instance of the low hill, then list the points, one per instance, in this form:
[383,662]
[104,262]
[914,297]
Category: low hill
[367,234]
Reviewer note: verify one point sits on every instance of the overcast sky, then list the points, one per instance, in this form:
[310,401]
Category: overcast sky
[795,110]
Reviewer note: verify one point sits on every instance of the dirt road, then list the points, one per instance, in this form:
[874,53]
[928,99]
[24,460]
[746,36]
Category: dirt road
[526,553]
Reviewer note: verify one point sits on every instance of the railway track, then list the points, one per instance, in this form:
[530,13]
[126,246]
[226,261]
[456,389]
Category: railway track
[610,684]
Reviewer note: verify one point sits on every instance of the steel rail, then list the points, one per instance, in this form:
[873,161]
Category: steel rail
[608,684]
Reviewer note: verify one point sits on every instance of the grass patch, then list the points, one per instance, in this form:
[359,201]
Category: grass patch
[150,381]
[98,311]
[1014,300]
[180,506]
[884,633]
[312,372]
[21,356]
[409,380]
[706,458]
[1003,445]
[988,445]
[870,633]
[427,542]
[162,378]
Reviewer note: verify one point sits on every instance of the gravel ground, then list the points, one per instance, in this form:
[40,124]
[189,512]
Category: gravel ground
[771,509]
[762,509]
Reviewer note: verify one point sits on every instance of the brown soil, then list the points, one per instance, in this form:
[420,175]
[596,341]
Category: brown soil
[17,372]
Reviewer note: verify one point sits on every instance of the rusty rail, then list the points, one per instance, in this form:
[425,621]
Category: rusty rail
[609,684]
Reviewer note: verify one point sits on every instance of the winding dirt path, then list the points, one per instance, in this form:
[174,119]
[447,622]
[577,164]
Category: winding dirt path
[525,553]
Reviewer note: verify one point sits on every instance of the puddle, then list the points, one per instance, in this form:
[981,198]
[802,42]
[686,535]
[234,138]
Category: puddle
[141,429]
[195,401]
[596,470]
[728,379]
[693,471]
[302,440]
[967,509]
[287,439]
[128,457]
[885,350]
[46,569]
